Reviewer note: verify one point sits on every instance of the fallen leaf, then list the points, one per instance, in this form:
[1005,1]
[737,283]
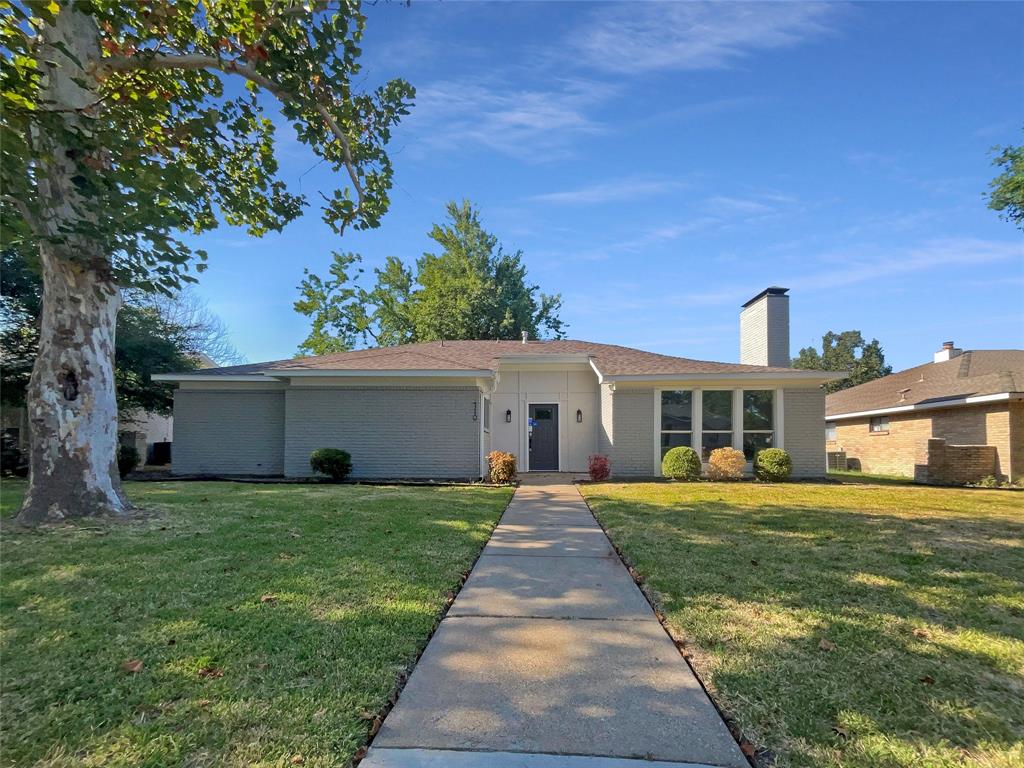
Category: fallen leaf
[367,715]
[375,727]
[747,748]
[268,598]
[298,759]
[134,666]
[360,754]
[826,645]
[841,732]
[921,633]
[210,672]
[203,703]
[928,680]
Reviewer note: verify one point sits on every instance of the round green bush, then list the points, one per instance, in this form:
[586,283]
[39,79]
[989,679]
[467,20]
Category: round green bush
[333,462]
[772,465]
[127,459]
[681,463]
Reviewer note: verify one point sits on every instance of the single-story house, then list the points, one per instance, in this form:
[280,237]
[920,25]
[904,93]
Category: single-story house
[953,420]
[435,410]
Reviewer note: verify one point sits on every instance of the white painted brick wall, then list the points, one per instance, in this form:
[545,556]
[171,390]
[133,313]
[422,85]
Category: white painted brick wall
[764,332]
[390,432]
[228,433]
[805,430]
[632,448]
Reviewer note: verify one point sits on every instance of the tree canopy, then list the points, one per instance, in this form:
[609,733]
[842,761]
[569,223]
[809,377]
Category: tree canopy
[471,288]
[1006,191]
[845,351]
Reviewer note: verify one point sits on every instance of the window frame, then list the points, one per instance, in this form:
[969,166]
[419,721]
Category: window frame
[731,432]
[487,414]
[772,432]
[882,424]
[659,402]
[831,433]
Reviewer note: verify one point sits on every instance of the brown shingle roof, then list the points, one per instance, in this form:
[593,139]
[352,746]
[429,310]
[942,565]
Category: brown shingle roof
[977,372]
[610,359]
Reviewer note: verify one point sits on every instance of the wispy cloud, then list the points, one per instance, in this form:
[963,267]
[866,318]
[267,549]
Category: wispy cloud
[839,269]
[533,124]
[609,192]
[644,37]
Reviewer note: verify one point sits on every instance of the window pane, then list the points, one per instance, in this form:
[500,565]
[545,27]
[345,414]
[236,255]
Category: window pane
[755,441]
[487,413]
[757,409]
[713,440]
[676,408]
[830,431]
[542,414]
[880,424]
[718,410]
[673,440]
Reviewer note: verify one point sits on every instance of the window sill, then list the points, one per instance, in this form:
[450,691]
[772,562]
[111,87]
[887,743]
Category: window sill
[879,434]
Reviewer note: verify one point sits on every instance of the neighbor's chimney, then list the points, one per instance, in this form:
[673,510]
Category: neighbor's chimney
[948,352]
[526,336]
[764,329]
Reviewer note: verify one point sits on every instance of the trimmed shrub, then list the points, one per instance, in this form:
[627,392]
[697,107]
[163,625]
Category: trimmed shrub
[726,464]
[127,459]
[502,466]
[333,462]
[681,463]
[772,465]
[599,467]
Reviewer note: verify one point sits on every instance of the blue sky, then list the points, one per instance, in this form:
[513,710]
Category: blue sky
[658,164]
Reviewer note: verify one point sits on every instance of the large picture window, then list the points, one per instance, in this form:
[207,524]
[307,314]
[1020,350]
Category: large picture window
[758,421]
[676,419]
[716,413]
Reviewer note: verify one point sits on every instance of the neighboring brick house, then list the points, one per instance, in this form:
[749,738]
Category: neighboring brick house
[954,420]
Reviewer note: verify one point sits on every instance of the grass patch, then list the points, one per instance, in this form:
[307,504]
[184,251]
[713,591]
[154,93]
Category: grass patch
[854,476]
[921,591]
[355,578]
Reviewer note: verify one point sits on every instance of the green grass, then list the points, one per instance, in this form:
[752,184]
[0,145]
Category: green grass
[853,476]
[920,589]
[358,577]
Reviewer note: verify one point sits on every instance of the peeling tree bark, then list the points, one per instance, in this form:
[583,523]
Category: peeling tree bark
[72,403]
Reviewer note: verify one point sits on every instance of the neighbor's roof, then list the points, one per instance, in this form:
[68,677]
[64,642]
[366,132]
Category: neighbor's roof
[971,374]
[484,357]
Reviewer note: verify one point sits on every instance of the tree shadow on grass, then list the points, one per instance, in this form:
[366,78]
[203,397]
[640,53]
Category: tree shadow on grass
[268,625]
[926,615]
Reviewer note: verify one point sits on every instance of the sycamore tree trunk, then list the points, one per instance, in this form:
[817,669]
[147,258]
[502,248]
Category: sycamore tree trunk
[72,404]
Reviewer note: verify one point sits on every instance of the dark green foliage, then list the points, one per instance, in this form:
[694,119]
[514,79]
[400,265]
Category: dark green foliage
[1007,189]
[681,463]
[845,351]
[333,462]
[472,289]
[127,459]
[772,465]
[21,298]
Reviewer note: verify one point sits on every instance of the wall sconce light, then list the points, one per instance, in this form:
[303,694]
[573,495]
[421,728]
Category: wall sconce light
[579,416]
[474,411]
[508,416]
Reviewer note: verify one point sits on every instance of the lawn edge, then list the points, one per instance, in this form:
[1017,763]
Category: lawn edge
[745,745]
[406,673]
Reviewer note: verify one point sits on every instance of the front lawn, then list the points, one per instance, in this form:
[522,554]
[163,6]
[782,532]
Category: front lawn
[858,626]
[271,621]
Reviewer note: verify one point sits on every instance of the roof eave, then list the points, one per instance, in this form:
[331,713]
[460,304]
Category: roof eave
[956,402]
[795,375]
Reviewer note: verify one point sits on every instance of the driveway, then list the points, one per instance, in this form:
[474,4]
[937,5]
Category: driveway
[550,656]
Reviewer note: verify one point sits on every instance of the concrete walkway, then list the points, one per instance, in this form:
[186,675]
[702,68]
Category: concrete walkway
[550,657]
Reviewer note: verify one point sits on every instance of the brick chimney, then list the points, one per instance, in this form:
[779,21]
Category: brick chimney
[948,352]
[764,329]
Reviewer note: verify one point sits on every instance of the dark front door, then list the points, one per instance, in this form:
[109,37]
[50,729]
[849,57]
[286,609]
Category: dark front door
[544,438]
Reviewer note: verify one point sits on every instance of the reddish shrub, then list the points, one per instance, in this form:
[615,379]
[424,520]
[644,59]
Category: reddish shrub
[502,466]
[726,464]
[599,467]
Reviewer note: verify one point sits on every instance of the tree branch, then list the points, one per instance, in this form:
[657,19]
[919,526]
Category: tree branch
[155,61]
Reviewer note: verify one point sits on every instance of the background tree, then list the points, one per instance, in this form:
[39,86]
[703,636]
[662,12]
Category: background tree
[845,351]
[155,334]
[470,289]
[1006,193]
[125,124]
